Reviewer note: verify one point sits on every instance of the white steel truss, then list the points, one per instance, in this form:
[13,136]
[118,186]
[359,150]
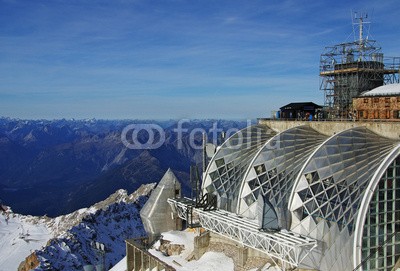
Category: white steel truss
[286,246]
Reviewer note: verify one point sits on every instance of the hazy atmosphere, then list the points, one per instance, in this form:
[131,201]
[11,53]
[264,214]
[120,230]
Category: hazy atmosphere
[171,59]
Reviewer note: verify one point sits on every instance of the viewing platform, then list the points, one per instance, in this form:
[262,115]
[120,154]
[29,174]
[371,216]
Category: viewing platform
[283,245]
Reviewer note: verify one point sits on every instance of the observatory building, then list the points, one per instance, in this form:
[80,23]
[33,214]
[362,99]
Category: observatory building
[351,68]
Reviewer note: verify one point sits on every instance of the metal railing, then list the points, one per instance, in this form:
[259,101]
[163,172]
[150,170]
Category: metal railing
[286,246]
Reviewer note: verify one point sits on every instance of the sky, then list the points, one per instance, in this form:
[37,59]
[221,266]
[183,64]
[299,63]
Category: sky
[171,59]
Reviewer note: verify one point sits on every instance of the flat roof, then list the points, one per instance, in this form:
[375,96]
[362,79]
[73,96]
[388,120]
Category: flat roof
[300,106]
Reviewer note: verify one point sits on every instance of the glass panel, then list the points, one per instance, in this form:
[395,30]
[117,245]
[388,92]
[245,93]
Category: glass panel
[236,153]
[220,162]
[260,169]
[382,249]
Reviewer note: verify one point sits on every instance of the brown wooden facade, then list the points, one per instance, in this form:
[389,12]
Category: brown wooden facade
[377,107]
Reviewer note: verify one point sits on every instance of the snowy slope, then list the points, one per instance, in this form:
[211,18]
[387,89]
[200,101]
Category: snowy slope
[19,237]
[117,220]
[64,242]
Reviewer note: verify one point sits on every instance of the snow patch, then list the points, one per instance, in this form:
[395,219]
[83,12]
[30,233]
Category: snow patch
[19,238]
[121,266]
[210,261]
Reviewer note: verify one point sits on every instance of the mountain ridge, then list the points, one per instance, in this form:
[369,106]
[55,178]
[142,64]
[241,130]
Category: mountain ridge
[69,237]
[80,162]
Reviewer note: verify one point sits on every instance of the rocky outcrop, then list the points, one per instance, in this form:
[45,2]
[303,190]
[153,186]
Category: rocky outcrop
[31,262]
[170,249]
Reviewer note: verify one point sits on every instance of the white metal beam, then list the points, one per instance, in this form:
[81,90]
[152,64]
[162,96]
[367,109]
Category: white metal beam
[283,245]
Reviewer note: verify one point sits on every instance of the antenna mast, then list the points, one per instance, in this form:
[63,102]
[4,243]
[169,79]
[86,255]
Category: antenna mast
[360,21]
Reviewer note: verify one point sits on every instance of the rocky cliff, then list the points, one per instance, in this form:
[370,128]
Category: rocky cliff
[108,222]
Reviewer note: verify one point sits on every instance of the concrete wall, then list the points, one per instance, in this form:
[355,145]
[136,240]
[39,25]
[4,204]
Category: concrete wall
[138,258]
[387,129]
[201,244]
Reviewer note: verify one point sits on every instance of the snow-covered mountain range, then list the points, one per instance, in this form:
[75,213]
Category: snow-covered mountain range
[80,162]
[55,167]
[67,242]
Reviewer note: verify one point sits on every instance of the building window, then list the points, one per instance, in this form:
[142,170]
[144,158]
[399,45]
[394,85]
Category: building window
[387,102]
[366,100]
[398,99]
[376,100]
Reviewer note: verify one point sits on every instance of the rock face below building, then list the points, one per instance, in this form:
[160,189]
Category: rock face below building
[157,214]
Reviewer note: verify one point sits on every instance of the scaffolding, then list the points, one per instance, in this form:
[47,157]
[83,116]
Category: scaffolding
[348,69]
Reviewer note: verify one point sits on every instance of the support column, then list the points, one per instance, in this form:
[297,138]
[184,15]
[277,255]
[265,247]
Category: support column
[243,255]
[201,243]
[130,257]
[137,260]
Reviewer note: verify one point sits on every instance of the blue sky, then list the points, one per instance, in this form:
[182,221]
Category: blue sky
[172,58]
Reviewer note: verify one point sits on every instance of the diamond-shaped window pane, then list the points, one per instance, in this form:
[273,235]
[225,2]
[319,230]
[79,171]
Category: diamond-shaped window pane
[346,169]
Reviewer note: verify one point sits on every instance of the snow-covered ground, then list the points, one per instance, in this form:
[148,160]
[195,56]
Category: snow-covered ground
[19,238]
[185,238]
[210,261]
[121,266]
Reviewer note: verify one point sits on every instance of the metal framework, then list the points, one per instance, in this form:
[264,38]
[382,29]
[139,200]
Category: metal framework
[288,247]
[348,69]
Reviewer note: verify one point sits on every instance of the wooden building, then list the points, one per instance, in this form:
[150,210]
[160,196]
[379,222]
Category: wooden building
[300,111]
[381,103]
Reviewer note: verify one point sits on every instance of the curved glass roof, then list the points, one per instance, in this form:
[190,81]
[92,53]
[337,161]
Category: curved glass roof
[333,181]
[274,169]
[227,167]
[309,184]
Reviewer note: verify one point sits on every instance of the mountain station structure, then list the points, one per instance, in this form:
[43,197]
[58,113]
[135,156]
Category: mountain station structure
[314,195]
